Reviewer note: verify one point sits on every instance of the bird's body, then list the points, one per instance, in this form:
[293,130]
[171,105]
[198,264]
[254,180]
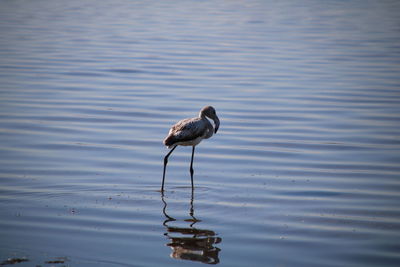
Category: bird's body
[190,132]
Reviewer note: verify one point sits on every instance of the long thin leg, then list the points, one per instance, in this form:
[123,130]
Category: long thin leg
[191,168]
[191,213]
[165,167]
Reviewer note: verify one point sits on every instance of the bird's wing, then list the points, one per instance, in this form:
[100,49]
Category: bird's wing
[188,129]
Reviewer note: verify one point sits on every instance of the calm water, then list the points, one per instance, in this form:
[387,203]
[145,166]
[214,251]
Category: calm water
[305,170]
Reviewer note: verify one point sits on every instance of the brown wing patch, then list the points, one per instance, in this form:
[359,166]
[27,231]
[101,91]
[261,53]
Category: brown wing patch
[185,130]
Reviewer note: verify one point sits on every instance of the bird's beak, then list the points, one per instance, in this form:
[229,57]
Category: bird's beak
[216,121]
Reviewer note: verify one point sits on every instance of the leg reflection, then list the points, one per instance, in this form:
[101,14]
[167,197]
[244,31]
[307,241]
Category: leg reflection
[190,243]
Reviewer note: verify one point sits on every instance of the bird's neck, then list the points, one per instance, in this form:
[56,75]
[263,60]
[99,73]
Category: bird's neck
[202,115]
[210,128]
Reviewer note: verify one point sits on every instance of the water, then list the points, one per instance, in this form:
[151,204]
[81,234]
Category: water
[304,170]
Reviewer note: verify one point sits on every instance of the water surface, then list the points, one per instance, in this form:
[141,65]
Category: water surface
[304,170]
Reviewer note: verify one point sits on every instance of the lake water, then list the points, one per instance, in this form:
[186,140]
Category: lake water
[304,171]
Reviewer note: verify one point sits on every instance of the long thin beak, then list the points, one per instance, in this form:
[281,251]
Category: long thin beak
[216,121]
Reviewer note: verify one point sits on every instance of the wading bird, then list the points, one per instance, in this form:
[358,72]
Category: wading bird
[190,132]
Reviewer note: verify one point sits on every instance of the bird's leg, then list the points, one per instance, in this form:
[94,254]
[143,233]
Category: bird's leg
[165,166]
[191,168]
[195,220]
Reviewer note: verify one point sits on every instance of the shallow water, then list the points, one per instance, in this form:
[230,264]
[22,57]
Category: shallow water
[304,170]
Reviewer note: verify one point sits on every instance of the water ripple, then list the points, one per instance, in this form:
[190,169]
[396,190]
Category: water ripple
[306,161]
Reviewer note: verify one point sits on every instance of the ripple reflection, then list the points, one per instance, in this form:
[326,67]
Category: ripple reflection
[189,242]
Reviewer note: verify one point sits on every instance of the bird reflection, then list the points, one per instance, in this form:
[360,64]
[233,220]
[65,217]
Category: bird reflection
[191,243]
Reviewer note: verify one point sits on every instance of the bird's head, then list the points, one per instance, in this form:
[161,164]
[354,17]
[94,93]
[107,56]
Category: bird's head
[210,112]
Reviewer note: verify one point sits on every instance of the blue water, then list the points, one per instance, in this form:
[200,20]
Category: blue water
[304,170]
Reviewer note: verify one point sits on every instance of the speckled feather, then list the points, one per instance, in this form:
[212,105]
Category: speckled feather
[187,132]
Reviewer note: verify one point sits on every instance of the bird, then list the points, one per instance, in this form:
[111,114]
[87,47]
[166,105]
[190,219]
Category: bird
[190,132]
